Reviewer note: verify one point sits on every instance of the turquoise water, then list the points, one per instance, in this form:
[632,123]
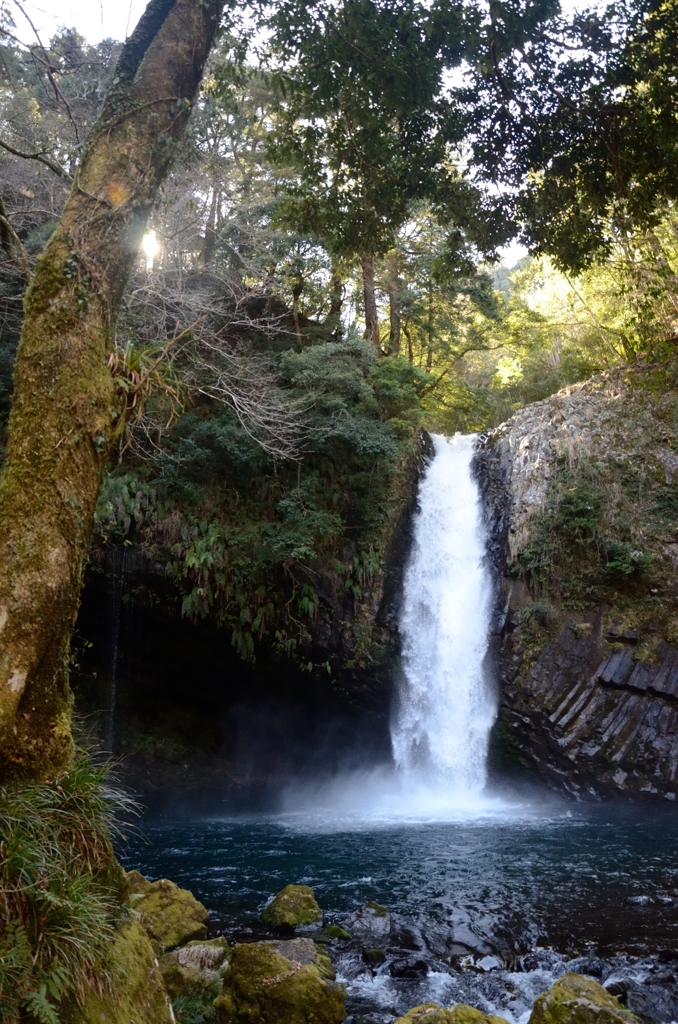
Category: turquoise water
[473,901]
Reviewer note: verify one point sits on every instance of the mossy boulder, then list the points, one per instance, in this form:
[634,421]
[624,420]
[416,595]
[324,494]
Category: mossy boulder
[171,916]
[297,951]
[460,1013]
[325,967]
[179,980]
[293,907]
[136,883]
[205,954]
[575,999]
[261,986]
[194,966]
[138,994]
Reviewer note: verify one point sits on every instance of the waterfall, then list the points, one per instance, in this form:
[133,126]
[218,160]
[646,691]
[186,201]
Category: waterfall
[446,703]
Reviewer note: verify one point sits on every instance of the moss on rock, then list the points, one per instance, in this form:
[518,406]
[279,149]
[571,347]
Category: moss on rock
[263,987]
[137,883]
[295,905]
[205,953]
[578,1000]
[138,994]
[335,931]
[180,979]
[171,916]
[461,1013]
[325,967]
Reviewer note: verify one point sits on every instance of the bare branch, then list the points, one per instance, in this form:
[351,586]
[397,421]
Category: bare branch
[41,157]
[213,361]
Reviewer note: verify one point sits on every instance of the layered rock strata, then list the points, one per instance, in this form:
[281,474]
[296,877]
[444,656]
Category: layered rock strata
[587,668]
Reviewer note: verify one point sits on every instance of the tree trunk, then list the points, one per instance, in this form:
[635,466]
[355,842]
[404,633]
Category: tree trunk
[371,322]
[336,302]
[394,285]
[67,410]
[210,240]
[429,353]
[296,295]
[410,352]
[394,332]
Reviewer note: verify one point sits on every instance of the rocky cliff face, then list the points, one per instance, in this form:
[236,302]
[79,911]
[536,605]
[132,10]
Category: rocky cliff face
[582,511]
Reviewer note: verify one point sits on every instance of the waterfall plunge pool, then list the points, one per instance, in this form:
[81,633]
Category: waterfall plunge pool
[487,910]
[490,902]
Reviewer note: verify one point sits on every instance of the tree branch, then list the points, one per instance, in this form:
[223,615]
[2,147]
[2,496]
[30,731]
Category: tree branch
[41,157]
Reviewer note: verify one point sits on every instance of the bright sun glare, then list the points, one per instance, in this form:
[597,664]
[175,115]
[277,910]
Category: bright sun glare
[151,247]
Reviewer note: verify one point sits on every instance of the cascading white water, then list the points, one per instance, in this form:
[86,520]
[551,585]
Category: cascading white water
[446,703]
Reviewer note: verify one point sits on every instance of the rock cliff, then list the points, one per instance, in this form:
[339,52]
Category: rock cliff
[582,512]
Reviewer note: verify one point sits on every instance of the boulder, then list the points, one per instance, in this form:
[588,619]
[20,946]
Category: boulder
[412,967]
[297,951]
[138,994]
[193,967]
[575,999]
[180,979]
[171,916]
[460,1013]
[278,983]
[325,966]
[293,907]
[372,919]
[136,882]
[209,956]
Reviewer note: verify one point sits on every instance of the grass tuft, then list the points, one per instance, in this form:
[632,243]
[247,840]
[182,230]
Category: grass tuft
[59,888]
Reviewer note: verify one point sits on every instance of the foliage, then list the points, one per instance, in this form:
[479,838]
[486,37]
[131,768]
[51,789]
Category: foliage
[579,116]
[536,611]
[48,102]
[588,537]
[58,892]
[253,542]
[340,140]
[259,251]
[196,1007]
[360,119]
[539,337]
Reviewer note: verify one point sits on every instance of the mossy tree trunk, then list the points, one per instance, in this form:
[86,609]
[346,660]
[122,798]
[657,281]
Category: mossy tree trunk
[66,409]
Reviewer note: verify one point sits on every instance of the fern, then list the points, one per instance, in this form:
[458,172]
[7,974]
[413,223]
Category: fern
[40,1007]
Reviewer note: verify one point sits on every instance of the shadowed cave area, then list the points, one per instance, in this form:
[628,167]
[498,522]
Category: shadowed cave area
[175,703]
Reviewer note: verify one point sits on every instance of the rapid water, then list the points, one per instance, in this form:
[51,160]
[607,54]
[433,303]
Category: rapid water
[446,706]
